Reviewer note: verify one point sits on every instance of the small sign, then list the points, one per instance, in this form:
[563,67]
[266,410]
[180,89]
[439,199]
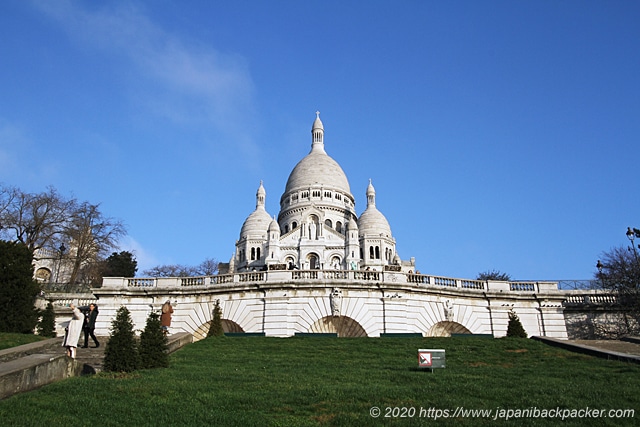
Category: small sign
[431,358]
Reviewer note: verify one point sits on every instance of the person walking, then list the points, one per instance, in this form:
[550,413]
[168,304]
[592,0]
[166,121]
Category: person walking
[72,336]
[90,326]
[165,318]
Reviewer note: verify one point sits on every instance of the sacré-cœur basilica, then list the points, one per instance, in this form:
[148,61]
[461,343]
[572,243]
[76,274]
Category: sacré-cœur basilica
[318,267]
[317,227]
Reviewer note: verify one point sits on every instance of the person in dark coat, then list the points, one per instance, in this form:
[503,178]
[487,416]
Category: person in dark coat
[90,325]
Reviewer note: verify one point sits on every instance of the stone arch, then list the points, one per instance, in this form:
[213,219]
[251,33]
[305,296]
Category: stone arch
[43,275]
[446,328]
[313,261]
[334,261]
[227,326]
[342,325]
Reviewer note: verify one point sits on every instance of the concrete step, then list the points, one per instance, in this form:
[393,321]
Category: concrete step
[30,366]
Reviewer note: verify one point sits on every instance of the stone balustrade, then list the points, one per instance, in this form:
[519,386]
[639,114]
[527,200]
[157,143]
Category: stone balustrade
[594,298]
[327,276]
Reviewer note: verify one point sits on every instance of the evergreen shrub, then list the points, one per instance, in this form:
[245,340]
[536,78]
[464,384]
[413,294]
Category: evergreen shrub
[515,328]
[47,325]
[121,352]
[153,344]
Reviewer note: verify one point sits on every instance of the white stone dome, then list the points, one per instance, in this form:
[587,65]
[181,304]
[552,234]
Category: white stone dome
[372,222]
[317,168]
[274,227]
[257,224]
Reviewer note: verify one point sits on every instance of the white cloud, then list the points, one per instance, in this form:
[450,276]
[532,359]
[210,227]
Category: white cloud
[189,81]
[145,259]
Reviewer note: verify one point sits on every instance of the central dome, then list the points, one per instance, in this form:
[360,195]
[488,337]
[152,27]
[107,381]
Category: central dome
[317,168]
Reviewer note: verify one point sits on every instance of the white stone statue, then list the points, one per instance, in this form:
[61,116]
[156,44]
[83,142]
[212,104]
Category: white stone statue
[312,231]
[335,299]
[448,310]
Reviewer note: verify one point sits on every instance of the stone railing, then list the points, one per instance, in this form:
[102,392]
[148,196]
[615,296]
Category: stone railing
[327,276]
[593,299]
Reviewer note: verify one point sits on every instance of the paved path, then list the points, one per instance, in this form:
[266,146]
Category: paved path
[612,345]
[627,350]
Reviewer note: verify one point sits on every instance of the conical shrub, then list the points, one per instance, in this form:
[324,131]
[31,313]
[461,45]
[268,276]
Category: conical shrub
[47,325]
[215,329]
[153,344]
[515,328]
[121,352]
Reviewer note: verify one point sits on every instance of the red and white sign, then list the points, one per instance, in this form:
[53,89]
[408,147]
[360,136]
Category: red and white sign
[424,359]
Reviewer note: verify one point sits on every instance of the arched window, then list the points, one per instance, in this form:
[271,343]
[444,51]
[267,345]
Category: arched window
[371,253]
[328,223]
[377,252]
[257,253]
[286,228]
[335,263]
[313,262]
[339,227]
[294,225]
[253,254]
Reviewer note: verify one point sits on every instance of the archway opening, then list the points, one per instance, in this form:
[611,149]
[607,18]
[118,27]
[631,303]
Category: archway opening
[227,326]
[445,329]
[342,325]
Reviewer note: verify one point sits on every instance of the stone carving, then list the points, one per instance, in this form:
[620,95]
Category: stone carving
[335,299]
[448,310]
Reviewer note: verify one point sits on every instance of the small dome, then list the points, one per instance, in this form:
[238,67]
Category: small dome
[256,224]
[274,226]
[372,222]
[353,224]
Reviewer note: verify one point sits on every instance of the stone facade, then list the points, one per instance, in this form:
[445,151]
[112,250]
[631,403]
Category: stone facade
[348,303]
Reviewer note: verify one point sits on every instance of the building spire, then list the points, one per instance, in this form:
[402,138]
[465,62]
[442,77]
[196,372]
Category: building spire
[261,194]
[317,134]
[371,195]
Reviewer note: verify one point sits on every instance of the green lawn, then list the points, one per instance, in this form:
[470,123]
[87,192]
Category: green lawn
[310,381]
[8,340]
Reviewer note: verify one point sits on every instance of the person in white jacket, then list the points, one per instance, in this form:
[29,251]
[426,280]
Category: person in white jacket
[73,331]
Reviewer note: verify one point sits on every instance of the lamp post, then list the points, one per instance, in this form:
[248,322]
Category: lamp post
[61,250]
[632,233]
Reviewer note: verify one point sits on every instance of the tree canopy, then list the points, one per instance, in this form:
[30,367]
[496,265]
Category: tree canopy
[120,264]
[493,275]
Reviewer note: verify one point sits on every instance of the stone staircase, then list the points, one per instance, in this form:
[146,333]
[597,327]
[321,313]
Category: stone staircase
[30,366]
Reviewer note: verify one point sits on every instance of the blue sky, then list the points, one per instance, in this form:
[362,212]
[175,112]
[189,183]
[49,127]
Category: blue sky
[498,134]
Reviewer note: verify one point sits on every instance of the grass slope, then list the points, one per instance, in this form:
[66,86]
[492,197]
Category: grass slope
[329,381]
[8,340]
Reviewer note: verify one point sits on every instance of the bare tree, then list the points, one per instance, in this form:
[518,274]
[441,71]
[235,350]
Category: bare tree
[619,271]
[169,270]
[91,235]
[34,219]
[208,267]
